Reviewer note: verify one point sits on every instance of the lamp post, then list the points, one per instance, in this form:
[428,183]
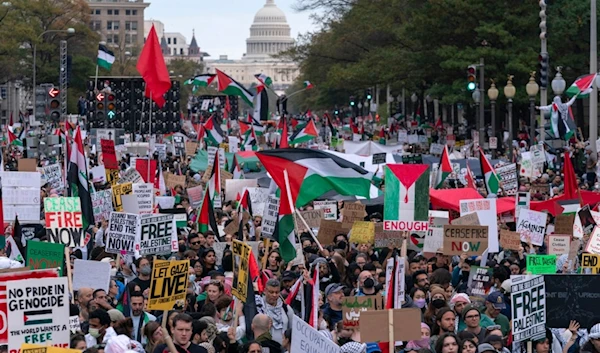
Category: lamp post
[69,30]
[558,87]
[414,98]
[429,99]
[532,89]
[509,92]
[493,96]
[476,95]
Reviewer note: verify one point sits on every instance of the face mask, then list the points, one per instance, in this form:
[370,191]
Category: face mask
[192,277]
[113,272]
[420,303]
[438,303]
[145,270]
[94,332]
[323,325]
[465,274]
[342,245]
[182,248]
[369,283]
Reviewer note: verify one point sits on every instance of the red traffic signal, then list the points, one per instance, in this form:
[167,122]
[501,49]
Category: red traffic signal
[54,104]
[53,92]
[111,97]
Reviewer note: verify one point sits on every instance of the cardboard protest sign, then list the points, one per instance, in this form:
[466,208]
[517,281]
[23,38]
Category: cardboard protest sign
[42,255]
[559,244]
[241,254]
[233,187]
[157,235]
[304,339]
[102,204]
[312,218]
[541,264]
[387,238]
[532,224]
[362,232]
[486,211]
[119,190]
[121,232]
[145,199]
[406,197]
[470,219]
[172,180]
[353,212]
[564,224]
[270,216]
[38,312]
[510,240]
[52,174]
[64,224]
[591,262]
[375,325]
[528,298]
[593,244]
[329,209]
[27,164]
[91,274]
[352,307]
[195,195]
[130,175]
[34,348]
[109,155]
[472,240]
[168,284]
[328,230]
[434,241]
[191,148]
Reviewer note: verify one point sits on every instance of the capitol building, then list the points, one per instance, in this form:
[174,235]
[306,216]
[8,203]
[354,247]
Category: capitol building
[270,34]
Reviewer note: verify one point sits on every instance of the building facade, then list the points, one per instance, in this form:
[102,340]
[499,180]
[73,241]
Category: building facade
[174,44]
[120,23]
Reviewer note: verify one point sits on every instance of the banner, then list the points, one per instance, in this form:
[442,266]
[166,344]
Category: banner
[102,205]
[241,254]
[64,224]
[157,235]
[38,312]
[406,197]
[472,240]
[121,233]
[109,156]
[169,284]
[118,191]
[144,194]
[42,255]
[528,297]
[532,224]
[329,209]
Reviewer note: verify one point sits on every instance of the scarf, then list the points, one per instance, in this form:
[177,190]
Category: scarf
[275,313]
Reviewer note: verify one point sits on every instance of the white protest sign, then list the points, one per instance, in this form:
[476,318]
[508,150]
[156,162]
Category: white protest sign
[486,211]
[131,175]
[211,151]
[98,174]
[234,142]
[532,224]
[157,235]
[259,198]
[399,282]
[166,202]
[130,204]
[593,245]
[270,215]
[121,232]
[329,209]
[528,299]
[102,204]
[21,195]
[434,240]
[91,274]
[52,174]
[233,187]
[436,149]
[74,323]
[144,194]
[38,312]
[307,339]
[538,156]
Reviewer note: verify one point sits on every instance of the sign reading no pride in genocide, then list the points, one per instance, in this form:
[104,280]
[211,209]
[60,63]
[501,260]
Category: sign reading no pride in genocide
[528,307]
[38,312]
[121,233]
[64,224]
[169,284]
[157,235]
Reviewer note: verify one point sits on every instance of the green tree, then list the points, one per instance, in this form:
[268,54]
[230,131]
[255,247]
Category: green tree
[183,70]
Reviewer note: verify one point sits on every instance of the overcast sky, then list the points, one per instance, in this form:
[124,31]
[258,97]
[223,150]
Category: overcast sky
[221,26]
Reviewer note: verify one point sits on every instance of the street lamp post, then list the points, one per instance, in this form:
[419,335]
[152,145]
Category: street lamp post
[509,92]
[69,30]
[558,86]
[414,98]
[493,96]
[429,100]
[532,89]
[476,95]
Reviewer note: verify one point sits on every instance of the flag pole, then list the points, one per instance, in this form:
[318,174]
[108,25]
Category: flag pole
[96,79]
[149,133]
[309,230]
[289,195]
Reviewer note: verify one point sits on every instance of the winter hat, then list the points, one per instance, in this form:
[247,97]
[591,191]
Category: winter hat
[468,308]
[595,332]
[460,298]
[485,347]
[438,290]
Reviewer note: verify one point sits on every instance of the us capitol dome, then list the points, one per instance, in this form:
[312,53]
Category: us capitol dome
[270,33]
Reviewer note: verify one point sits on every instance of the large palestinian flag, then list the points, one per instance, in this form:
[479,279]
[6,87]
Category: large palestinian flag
[490,178]
[231,87]
[406,203]
[305,134]
[78,180]
[214,134]
[261,105]
[444,170]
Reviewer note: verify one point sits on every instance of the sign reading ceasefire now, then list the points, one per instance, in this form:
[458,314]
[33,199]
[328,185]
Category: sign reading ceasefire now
[472,240]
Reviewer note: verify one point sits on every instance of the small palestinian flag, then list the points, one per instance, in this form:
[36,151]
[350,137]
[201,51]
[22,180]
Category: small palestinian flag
[105,57]
[203,80]
[491,180]
[37,317]
[305,134]
[582,87]
[444,170]
[308,85]
[266,80]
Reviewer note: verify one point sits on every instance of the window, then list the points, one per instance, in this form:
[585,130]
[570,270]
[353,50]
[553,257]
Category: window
[98,12]
[181,51]
[127,38]
[116,39]
[169,40]
[116,12]
[174,40]
[109,24]
[109,12]
[3,92]
[116,24]
[127,12]
[95,25]
[127,25]
[134,25]
[134,12]
[134,38]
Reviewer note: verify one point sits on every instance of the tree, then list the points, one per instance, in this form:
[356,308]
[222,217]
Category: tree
[183,70]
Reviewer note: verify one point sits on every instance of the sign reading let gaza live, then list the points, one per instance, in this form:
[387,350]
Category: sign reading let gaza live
[406,198]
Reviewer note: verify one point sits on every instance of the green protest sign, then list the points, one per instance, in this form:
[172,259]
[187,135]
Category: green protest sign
[42,255]
[541,264]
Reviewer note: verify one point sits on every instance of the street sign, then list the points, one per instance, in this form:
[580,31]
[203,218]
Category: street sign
[53,92]
[100,97]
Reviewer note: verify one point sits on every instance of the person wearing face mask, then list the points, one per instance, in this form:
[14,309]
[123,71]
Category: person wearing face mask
[419,299]
[100,330]
[366,284]
[144,270]
[423,343]
[437,302]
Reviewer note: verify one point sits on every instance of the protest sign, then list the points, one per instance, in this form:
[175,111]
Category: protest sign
[528,298]
[378,158]
[470,219]
[239,285]
[559,244]
[233,187]
[591,262]
[259,197]
[406,197]
[306,339]
[179,144]
[353,306]
[329,209]
[34,348]
[172,180]
[386,238]
[436,149]
[532,224]
[509,178]
[399,282]
[21,195]
[522,201]
[270,216]
[312,218]
[52,174]
[486,211]
[109,155]
[221,246]
[74,324]
[168,284]
[145,199]
[42,255]
[121,232]
[130,176]
[541,264]
[119,190]
[27,165]
[211,151]
[191,148]
[510,240]
[472,240]
[38,312]
[91,274]
[434,241]
[593,244]
[196,195]
[112,176]
[130,204]
[64,224]
[157,235]
[102,204]
[572,297]
[564,224]
[375,325]
[363,232]
[328,230]
[480,283]
[353,212]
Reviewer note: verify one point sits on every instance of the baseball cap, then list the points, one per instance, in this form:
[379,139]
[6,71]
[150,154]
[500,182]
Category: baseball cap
[497,300]
[333,288]
[373,347]
[485,347]
[288,276]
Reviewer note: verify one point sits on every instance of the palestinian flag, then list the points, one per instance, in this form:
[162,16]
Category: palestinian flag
[492,182]
[214,134]
[206,215]
[12,138]
[259,129]
[305,134]
[444,170]
[563,125]
[470,181]
[37,317]
[237,172]
[78,180]
[245,206]
[105,57]
[231,87]
[266,80]
[311,174]
[214,182]
[308,85]
[582,87]
[250,142]
[261,104]
[283,139]
[203,80]
[390,270]
[382,138]
[294,290]
[406,193]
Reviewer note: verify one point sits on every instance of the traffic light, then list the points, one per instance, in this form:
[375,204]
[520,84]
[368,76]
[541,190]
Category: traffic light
[352,101]
[100,106]
[54,104]
[41,100]
[110,106]
[544,65]
[369,94]
[471,78]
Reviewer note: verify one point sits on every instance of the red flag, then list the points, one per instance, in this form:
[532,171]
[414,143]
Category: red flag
[571,190]
[151,65]
[283,140]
